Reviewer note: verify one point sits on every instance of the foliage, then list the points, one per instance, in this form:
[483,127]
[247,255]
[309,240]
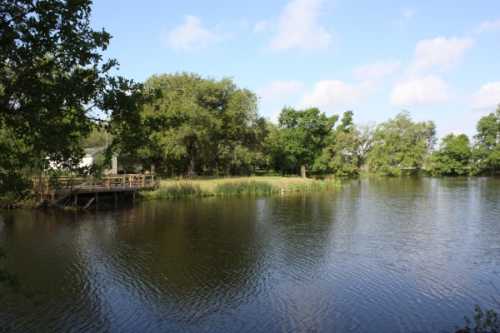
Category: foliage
[341,156]
[453,157]
[299,139]
[98,137]
[400,144]
[484,322]
[487,147]
[14,154]
[198,126]
[54,83]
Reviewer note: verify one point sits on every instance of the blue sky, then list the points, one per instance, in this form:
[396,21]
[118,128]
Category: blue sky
[440,60]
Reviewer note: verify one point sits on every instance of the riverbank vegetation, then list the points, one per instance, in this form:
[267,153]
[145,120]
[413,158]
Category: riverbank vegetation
[237,186]
[58,96]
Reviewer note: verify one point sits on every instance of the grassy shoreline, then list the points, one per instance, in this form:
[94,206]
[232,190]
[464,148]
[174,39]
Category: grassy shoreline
[238,186]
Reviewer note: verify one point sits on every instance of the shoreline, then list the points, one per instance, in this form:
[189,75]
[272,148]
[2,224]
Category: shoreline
[202,187]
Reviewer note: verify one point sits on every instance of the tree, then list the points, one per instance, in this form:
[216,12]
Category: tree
[453,157]
[54,81]
[14,153]
[196,125]
[341,156]
[301,138]
[365,133]
[487,146]
[400,144]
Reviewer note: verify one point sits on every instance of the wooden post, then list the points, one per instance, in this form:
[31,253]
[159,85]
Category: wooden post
[96,199]
[116,199]
[76,200]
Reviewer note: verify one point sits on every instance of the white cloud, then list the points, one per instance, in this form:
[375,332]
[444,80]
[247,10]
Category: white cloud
[439,53]
[489,26]
[191,35]
[298,27]
[334,95]
[488,96]
[376,71]
[278,93]
[278,90]
[426,90]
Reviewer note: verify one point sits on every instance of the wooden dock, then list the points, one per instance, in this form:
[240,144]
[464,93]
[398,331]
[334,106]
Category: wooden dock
[86,192]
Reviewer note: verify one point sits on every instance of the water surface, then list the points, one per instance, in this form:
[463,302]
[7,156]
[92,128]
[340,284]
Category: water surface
[388,255]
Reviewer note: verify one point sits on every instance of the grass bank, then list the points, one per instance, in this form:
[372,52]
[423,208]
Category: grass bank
[237,186]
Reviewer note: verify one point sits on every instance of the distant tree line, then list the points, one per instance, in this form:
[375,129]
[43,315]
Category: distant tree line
[198,126]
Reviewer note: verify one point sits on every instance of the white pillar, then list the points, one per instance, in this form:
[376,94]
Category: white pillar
[114,165]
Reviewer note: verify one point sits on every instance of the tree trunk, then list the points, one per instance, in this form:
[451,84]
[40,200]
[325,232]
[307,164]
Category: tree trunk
[192,169]
[303,171]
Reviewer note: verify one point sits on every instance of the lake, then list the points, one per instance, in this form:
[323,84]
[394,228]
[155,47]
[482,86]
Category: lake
[379,255]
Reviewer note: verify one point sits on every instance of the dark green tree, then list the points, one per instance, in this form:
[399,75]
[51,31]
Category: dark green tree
[13,180]
[54,81]
[301,138]
[453,157]
[400,144]
[341,156]
[199,126]
[487,144]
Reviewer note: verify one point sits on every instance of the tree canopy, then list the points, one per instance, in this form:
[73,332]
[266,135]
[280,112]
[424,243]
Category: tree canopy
[487,147]
[400,144]
[342,154]
[199,126]
[453,157]
[55,83]
[301,136]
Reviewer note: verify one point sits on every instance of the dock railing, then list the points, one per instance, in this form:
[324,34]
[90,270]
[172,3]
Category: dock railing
[52,186]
